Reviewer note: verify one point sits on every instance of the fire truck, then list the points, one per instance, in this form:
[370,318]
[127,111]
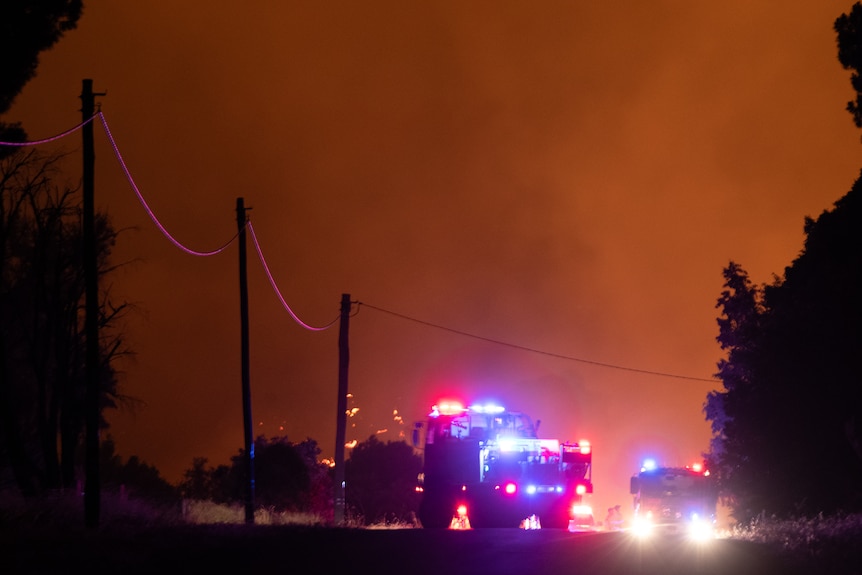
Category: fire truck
[485,466]
[679,500]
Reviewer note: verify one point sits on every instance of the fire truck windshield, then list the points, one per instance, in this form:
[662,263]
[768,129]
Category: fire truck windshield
[480,425]
[672,483]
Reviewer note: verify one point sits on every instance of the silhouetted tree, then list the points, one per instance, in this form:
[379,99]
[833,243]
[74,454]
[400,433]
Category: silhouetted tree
[225,484]
[133,478]
[738,414]
[381,481]
[27,28]
[788,424]
[320,492]
[288,477]
[41,322]
[282,481]
[197,481]
[739,327]
[849,30]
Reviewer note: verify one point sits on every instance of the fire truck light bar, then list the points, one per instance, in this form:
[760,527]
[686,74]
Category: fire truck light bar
[488,408]
[447,408]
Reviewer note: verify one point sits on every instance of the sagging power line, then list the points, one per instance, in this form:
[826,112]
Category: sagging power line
[531,349]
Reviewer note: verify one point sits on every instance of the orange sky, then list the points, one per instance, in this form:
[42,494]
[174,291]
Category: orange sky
[567,176]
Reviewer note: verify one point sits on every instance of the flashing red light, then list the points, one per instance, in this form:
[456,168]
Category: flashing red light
[510,488]
[585,447]
[462,510]
[697,467]
[448,408]
[578,509]
[581,489]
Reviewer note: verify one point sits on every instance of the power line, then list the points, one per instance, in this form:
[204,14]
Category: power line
[216,251]
[146,206]
[52,138]
[275,287]
[533,350]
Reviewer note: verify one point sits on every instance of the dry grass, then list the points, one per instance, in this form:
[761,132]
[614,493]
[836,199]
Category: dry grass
[209,513]
[827,542]
[65,510]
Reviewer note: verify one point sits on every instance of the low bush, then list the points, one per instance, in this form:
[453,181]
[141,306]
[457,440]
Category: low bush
[821,540]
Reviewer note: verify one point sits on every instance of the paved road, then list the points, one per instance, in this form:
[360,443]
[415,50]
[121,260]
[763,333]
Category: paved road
[274,550]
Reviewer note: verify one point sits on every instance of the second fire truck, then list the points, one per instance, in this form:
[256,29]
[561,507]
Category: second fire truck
[674,500]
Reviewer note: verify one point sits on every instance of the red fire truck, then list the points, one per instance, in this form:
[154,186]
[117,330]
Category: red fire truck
[486,466]
[674,500]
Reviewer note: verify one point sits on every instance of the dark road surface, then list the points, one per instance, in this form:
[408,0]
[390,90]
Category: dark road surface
[274,550]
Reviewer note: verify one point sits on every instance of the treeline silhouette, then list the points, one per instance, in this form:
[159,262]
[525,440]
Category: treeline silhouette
[42,342]
[788,423]
[380,480]
[289,478]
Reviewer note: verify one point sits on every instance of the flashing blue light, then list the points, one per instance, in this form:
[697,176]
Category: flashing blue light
[531,489]
[648,465]
[489,408]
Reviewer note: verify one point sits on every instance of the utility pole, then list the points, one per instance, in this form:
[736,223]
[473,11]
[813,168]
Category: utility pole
[246,384]
[92,411]
[341,420]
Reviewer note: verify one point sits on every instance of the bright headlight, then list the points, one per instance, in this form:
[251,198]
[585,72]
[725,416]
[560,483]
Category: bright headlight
[642,527]
[700,530]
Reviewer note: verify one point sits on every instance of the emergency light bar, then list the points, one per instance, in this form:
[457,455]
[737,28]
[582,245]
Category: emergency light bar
[489,408]
[447,408]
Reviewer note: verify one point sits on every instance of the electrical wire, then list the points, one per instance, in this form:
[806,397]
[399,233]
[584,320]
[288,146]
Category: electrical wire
[146,206]
[52,138]
[533,350]
[275,287]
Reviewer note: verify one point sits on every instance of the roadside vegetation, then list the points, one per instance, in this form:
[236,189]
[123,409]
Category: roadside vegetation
[829,544]
[293,487]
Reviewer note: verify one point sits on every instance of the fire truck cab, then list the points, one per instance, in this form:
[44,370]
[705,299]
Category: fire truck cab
[490,464]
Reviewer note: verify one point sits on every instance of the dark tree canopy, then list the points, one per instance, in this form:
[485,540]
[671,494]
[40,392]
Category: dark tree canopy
[381,481]
[27,28]
[42,380]
[849,30]
[788,425]
[288,477]
[133,478]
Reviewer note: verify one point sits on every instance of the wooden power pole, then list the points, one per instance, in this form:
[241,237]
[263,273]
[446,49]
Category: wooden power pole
[341,415]
[92,411]
[246,383]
